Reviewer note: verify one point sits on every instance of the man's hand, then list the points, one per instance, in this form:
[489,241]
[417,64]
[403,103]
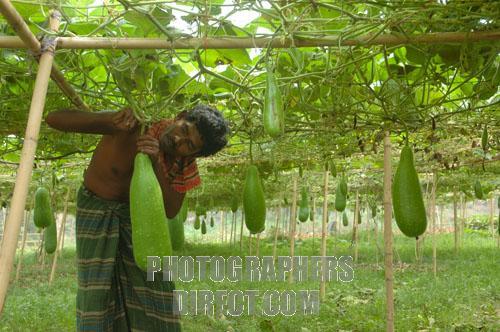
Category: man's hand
[150,146]
[124,120]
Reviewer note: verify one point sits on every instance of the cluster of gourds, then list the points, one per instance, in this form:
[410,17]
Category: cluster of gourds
[43,217]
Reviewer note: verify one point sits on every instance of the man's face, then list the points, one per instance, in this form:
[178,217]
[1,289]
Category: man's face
[181,139]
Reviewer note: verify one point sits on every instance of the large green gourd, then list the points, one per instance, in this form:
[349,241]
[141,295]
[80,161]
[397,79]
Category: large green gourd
[345,221]
[478,190]
[203,227]
[176,228]
[42,214]
[409,209]
[274,119]
[197,223]
[303,206]
[343,186]
[50,238]
[340,199]
[212,221]
[254,204]
[150,231]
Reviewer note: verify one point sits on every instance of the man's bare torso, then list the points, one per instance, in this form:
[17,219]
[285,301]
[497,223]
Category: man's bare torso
[110,170]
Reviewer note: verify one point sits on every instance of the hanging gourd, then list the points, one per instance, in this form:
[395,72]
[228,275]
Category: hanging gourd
[254,204]
[274,118]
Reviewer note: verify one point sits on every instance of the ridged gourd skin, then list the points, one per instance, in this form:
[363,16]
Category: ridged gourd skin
[273,114]
[303,206]
[50,238]
[254,204]
[42,214]
[345,221]
[478,190]
[197,223]
[408,204]
[150,231]
[203,227]
[176,228]
[340,199]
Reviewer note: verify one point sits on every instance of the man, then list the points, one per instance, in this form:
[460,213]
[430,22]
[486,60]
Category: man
[113,293]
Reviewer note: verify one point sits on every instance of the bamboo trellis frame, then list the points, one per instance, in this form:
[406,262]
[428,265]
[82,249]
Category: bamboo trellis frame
[257,42]
[27,40]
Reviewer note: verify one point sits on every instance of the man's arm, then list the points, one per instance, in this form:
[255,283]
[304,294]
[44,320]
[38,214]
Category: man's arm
[104,123]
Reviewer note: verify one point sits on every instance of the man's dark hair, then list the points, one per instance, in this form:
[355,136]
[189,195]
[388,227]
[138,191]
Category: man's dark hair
[211,125]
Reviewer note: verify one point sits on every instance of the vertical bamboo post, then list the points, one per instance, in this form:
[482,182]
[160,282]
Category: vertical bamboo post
[235,231]
[61,232]
[9,243]
[491,218]
[322,288]
[312,221]
[355,227]
[258,244]
[277,224]
[25,234]
[241,229]
[233,224]
[221,228]
[433,220]
[462,222]
[455,221]
[293,219]
[389,277]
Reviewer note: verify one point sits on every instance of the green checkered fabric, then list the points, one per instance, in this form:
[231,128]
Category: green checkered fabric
[113,293]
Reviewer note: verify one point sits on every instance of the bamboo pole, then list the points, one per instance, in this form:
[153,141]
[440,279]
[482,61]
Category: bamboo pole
[491,218]
[61,231]
[277,224]
[355,228]
[221,226]
[455,221]
[25,169]
[389,277]
[235,232]
[233,220]
[21,255]
[258,42]
[312,221]
[433,220]
[241,229]
[26,39]
[293,219]
[322,287]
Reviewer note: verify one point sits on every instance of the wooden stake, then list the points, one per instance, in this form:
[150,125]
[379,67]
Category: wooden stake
[293,220]
[61,232]
[277,224]
[322,286]
[241,229]
[389,277]
[9,243]
[455,216]
[25,233]
[355,228]
[433,220]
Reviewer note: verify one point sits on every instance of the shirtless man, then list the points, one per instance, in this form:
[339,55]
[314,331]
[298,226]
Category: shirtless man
[113,293]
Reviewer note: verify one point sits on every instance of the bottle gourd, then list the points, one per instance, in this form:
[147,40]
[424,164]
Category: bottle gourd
[254,204]
[150,232]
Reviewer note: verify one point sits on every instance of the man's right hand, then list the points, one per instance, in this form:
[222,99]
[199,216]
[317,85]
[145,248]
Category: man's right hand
[124,120]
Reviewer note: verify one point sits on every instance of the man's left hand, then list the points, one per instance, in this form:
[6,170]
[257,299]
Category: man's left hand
[150,146]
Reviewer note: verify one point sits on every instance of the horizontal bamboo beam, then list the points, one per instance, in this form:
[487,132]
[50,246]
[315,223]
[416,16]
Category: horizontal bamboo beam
[28,40]
[259,42]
